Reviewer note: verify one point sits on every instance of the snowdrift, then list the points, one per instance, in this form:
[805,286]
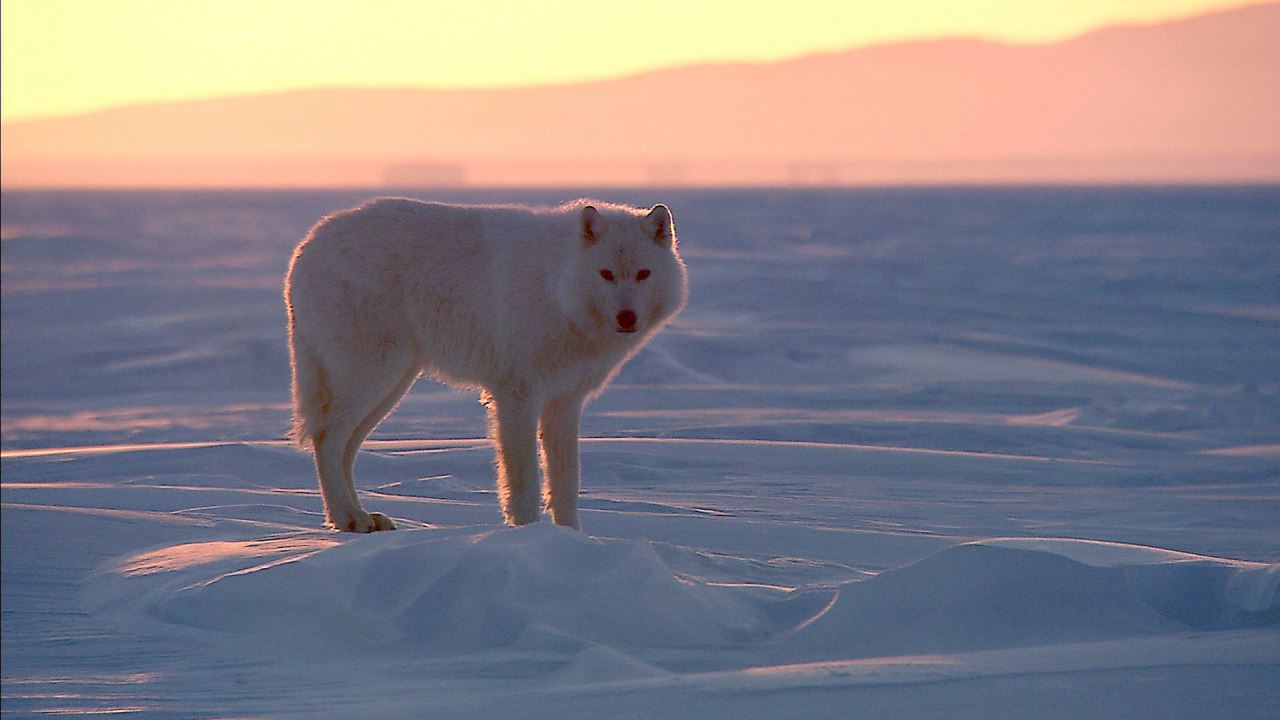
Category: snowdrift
[548,589]
[1026,592]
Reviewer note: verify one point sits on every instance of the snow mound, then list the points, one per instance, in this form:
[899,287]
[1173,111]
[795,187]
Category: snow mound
[1028,592]
[434,592]
[556,592]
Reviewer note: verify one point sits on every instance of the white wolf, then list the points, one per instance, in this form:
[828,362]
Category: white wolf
[536,308]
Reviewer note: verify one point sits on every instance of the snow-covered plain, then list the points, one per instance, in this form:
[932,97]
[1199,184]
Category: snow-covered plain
[908,453]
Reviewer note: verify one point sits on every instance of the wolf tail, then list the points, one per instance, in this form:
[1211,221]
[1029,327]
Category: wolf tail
[310,391]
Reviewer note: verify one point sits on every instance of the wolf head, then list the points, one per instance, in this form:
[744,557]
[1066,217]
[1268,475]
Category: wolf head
[627,278]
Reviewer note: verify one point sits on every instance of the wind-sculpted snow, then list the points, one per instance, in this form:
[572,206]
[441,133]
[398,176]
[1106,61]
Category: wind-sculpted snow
[436,592]
[430,592]
[983,596]
[963,453]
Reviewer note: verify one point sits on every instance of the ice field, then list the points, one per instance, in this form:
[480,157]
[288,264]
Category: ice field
[935,452]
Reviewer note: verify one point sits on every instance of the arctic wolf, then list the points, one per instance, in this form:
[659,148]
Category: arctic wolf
[536,308]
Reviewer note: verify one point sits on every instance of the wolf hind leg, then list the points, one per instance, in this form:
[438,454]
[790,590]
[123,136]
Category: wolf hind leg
[365,427]
[316,420]
[364,397]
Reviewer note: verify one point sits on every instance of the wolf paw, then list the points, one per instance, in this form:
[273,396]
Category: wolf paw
[362,522]
[381,522]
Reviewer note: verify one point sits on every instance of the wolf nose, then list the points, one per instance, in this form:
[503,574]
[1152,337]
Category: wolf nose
[626,321]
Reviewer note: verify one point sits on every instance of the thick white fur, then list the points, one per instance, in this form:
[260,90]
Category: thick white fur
[508,300]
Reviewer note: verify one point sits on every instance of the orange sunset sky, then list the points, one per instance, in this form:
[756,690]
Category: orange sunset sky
[70,56]
[81,79]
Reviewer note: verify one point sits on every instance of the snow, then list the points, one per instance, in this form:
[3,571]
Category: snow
[908,453]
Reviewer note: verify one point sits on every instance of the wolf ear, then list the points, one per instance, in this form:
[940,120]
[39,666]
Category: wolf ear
[661,227]
[593,225]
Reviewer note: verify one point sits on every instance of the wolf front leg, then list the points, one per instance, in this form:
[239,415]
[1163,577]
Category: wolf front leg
[559,428]
[513,426]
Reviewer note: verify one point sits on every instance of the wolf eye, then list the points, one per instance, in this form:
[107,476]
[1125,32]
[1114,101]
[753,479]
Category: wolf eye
[606,275]
[642,275]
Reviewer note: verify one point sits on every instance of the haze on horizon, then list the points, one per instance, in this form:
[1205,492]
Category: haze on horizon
[76,56]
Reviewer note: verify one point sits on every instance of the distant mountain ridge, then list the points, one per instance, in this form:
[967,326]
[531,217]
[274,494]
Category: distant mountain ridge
[1190,100]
